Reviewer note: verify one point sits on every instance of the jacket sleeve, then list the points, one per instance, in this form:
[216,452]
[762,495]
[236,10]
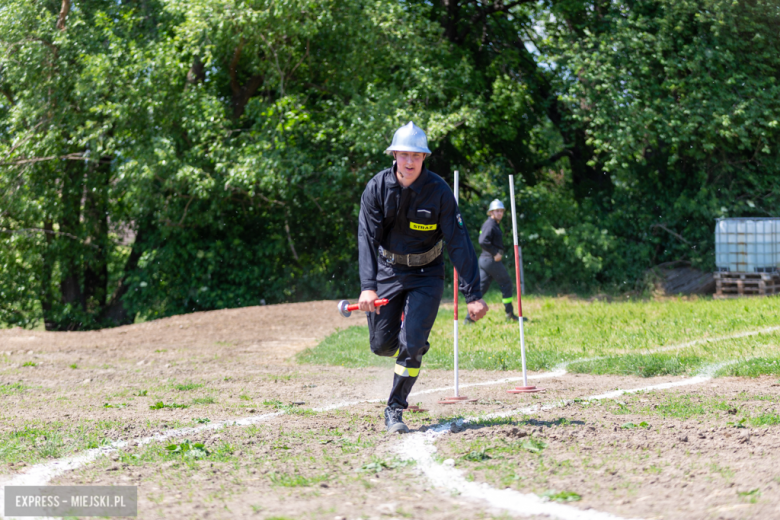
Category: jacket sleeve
[486,239]
[369,235]
[459,247]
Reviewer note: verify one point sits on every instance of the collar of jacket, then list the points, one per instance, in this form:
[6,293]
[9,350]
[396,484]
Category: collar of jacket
[416,185]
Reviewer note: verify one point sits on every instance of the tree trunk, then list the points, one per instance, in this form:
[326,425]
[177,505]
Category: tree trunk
[71,250]
[46,278]
[115,311]
[96,227]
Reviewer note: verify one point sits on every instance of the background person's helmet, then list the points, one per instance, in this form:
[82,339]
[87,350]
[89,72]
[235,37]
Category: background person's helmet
[409,138]
[496,204]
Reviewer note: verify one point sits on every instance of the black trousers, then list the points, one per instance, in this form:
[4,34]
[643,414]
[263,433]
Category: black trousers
[415,294]
[490,270]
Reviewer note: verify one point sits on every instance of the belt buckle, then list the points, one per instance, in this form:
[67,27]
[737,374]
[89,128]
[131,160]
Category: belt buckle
[409,260]
[389,257]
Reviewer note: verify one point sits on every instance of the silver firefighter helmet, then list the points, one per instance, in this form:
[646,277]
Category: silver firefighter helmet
[409,138]
[496,204]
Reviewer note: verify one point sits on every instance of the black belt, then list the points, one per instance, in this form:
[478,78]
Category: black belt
[412,260]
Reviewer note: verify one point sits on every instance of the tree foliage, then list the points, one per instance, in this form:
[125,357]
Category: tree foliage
[161,157]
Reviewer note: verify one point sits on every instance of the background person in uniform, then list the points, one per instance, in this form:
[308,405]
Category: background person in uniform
[490,267]
[405,213]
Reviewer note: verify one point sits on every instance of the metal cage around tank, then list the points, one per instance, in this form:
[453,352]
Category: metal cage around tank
[747,245]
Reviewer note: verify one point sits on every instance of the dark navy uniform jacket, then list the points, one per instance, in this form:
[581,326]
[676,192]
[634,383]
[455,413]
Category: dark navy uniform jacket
[490,238]
[413,220]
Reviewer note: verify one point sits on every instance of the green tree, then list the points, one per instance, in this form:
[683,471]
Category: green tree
[682,105]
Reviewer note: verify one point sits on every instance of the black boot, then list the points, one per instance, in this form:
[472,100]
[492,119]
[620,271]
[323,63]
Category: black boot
[510,312]
[394,420]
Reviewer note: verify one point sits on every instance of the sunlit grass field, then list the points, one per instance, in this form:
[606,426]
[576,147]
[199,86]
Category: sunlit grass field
[635,337]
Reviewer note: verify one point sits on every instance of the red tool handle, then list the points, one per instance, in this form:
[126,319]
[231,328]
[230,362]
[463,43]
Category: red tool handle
[377,303]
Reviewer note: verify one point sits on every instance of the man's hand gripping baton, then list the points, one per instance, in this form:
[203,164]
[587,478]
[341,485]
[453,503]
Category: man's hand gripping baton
[346,309]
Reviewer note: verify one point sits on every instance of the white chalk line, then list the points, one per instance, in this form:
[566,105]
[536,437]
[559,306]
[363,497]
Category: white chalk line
[419,447]
[41,474]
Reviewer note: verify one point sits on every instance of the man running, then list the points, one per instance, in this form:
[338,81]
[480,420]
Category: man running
[405,213]
[490,267]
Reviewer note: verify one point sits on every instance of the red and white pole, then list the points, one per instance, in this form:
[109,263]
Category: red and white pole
[525,388]
[457,398]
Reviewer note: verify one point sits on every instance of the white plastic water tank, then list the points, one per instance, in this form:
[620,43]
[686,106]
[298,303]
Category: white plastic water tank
[747,245]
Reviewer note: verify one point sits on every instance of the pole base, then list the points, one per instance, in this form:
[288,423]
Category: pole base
[525,390]
[457,399]
[414,409]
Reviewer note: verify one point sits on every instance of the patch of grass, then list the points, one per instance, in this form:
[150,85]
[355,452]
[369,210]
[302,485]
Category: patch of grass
[201,420]
[281,377]
[682,406]
[349,446]
[38,440]
[737,424]
[74,366]
[377,464]
[648,365]
[631,426]
[159,405]
[185,451]
[724,471]
[142,393]
[292,409]
[244,397]
[477,455]
[190,450]
[765,419]
[751,368]
[204,400]
[751,496]
[12,388]
[184,387]
[567,330]
[294,479]
[348,347]
[493,421]
[29,364]
[297,410]
[561,496]
[533,445]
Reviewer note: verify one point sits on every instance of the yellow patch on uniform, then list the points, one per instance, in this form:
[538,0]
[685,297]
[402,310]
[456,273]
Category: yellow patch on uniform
[422,227]
[406,372]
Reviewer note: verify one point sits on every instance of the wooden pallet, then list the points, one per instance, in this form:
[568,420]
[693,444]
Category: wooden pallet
[739,285]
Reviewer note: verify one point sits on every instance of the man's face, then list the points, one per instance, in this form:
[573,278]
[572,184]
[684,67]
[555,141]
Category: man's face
[497,214]
[408,166]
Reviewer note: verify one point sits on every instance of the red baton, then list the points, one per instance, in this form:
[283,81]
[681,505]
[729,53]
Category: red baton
[346,309]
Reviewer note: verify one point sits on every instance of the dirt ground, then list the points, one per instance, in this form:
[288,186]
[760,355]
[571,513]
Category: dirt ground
[317,448]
